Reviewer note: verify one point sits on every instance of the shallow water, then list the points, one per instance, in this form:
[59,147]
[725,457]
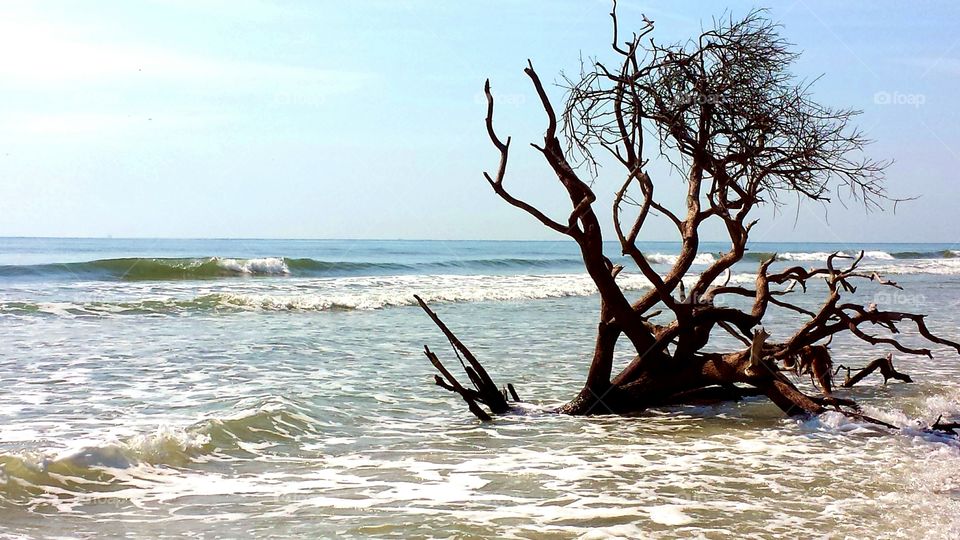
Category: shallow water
[284,404]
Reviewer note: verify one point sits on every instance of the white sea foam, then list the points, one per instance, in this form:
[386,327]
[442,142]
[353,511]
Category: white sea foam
[668,514]
[821,256]
[800,256]
[806,256]
[428,466]
[662,258]
[263,266]
[946,267]
[395,291]
[878,255]
[338,294]
[378,293]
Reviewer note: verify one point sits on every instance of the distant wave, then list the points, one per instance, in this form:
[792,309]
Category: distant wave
[211,268]
[808,256]
[870,255]
[206,268]
[821,256]
[709,258]
[943,267]
[946,254]
[134,269]
[140,269]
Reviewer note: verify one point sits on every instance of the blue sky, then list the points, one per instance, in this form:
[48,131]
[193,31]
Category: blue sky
[247,118]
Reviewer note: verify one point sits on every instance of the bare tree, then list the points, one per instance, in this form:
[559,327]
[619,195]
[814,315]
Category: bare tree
[725,112]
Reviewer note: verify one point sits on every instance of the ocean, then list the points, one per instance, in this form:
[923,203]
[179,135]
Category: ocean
[257,388]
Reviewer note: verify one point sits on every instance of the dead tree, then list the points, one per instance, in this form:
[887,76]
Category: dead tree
[725,112]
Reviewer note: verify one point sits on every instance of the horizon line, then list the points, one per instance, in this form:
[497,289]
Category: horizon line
[333,239]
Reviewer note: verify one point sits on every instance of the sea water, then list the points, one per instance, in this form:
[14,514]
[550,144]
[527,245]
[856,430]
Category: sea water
[241,388]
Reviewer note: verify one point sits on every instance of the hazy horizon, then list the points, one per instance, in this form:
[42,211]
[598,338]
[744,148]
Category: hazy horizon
[388,239]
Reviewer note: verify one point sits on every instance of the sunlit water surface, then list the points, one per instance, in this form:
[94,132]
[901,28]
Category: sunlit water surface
[278,405]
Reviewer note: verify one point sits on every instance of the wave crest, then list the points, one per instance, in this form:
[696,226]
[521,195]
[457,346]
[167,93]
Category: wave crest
[343,294]
[209,268]
[99,468]
[143,269]
[669,259]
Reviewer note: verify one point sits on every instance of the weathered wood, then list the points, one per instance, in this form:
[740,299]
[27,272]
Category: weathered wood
[710,395]
[513,393]
[454,385]
[756,351]
[884,364]
[946,427]
[489,393]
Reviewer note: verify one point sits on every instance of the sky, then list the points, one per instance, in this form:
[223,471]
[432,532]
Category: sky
[364,119]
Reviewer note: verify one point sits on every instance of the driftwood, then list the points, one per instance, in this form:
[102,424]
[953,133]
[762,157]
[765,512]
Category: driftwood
[885,365]
[945,427]
[725,113]
[484,389]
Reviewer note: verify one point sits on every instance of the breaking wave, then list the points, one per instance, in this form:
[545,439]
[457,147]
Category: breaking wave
[211,268]
[342,294]
[812,256]
[821,256]
[134,269]
[100,467]
[700,259]
[139,269]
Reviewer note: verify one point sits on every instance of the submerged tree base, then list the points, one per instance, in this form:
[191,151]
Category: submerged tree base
[781,391]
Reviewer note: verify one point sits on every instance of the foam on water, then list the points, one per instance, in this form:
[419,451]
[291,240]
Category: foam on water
[287,405]
[265,266]
[91,465]
[814,256]
[668,259]
[948,267]
[662,475]
[878,255]
[339,294]
[819,256]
